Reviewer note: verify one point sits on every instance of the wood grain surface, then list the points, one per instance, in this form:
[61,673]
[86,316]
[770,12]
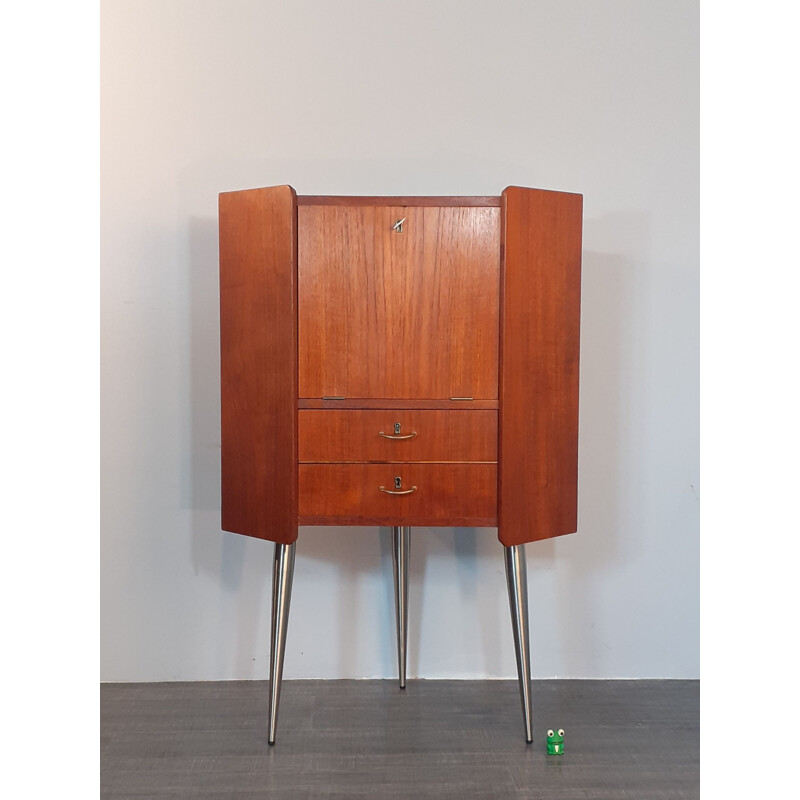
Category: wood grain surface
[447,494]
[354,436]
[540,343]
[258,350]
[398,315]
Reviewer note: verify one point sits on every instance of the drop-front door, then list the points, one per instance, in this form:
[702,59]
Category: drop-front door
[398,302]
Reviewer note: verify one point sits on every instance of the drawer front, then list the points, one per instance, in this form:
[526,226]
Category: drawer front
[445,494]
[355,435]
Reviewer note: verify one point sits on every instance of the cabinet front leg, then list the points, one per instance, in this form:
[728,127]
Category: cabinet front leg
[517,579]
[282,574]
[400,545]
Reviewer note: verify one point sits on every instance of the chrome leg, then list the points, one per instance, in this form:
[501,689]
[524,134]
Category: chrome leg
[282,573]
[517,579]
[400,543]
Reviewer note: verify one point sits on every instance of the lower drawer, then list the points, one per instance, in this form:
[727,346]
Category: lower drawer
[443,494]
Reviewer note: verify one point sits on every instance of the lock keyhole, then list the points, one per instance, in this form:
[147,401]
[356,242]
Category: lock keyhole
[397,483]
[397,427]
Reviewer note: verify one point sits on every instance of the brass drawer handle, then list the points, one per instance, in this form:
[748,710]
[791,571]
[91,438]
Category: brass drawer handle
[396,436]
[393,491]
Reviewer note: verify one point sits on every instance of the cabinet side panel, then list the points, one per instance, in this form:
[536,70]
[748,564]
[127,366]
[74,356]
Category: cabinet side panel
[258,342]
[539,360]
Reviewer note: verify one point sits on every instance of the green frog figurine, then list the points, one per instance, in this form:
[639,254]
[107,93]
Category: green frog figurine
[555,742]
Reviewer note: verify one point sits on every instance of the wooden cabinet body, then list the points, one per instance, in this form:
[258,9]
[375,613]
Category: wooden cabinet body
[400,361]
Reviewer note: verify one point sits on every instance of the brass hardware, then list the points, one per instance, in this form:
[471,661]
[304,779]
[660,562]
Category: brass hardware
[462,398]
[397,434]
[398,482]
[398,226]
[404,491]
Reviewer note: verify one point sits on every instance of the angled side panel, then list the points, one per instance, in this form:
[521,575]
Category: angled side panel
[258,341]
[539,357]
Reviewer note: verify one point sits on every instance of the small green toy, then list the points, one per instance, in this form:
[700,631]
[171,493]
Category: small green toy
[555,742]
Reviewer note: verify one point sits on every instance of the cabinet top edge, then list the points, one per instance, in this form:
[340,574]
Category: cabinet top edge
[363,200]
[487,201]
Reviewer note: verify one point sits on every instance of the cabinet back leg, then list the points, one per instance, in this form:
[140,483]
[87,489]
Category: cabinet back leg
[400,545]
[282,574]
[517,579]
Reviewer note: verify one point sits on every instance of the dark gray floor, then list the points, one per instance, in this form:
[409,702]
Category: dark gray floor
[369,739]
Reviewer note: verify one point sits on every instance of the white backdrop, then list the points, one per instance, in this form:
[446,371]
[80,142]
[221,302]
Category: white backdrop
[411,97]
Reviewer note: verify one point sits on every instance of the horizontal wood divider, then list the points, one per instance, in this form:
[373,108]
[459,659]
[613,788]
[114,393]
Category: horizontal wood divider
[388,403]
[343,200]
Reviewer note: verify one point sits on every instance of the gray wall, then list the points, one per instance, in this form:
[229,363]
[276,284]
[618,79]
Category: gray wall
[399,98]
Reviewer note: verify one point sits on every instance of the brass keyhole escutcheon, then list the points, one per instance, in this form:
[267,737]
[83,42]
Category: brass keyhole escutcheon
[397,428]
[398,226]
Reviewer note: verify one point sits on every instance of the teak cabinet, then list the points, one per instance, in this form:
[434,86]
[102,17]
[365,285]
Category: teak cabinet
[400,361]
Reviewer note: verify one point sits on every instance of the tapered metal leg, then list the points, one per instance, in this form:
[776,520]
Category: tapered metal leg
[400,543]
[282,573]
[517,578]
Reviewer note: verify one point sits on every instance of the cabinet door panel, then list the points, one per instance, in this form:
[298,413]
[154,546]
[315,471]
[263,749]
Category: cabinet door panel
[406,314]
[258,341]
[538,494]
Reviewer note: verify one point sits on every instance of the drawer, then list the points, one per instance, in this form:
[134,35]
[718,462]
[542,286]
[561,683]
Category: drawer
[360,435]
[445,494]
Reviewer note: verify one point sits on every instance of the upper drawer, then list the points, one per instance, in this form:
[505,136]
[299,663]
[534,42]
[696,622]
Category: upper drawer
[355,435]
